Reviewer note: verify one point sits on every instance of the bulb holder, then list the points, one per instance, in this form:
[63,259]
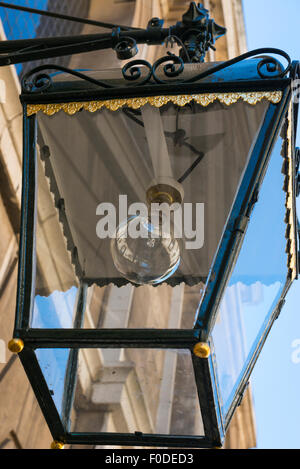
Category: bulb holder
[164,193]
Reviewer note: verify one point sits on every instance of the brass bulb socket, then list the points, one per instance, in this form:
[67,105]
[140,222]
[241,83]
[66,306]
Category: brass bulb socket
[163,193]
[201,350]
[15,345]
[57,445]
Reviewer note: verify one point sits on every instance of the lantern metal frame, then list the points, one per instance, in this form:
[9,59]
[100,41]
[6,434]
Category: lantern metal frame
[269,76]
[214,423]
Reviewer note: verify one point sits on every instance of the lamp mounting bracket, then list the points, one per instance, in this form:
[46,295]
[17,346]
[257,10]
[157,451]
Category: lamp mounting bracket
[201,33]
[196,33]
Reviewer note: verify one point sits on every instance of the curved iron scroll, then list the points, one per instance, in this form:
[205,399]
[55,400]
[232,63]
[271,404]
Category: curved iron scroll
[173,66]
[43,81]
[272,64]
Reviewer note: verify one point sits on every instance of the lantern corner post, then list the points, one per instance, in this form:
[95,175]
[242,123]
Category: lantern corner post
[27,255]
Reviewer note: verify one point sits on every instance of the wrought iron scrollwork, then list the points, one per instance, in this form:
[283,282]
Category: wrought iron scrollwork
[43,81]
[173,68]
[272,65]
[132,71]
[267,67]
[40,82]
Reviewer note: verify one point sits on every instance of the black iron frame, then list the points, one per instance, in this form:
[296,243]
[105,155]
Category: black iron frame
[215,423]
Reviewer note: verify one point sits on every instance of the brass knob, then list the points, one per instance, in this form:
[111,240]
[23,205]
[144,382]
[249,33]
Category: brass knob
[15,345]
[201,350]
[57,445]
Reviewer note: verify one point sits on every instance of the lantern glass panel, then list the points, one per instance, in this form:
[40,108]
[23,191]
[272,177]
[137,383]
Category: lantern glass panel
[255,285]
[124,390]
[93,158]
[54,365]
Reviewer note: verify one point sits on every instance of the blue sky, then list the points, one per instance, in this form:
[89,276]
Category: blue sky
[276,379]
[20,25]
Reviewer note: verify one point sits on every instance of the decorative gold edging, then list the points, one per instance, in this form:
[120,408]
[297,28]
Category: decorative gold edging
[288,170]
[156,101]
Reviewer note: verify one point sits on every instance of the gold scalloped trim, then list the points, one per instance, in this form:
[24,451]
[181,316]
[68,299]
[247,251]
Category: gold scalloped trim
[156,101]
[291,248]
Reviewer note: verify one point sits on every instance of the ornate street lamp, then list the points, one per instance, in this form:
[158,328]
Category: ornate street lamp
[212,148]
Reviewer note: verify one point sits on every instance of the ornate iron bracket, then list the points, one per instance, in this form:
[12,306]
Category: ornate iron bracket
[196,33]
[202,32]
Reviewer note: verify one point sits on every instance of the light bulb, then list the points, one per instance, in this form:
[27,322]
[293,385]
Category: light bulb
[149,258]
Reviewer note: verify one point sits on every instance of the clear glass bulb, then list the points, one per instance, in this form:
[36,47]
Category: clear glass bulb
[147,259]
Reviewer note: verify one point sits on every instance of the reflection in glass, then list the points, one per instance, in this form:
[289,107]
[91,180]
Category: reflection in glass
[124,390]
[108,154]
[255,285]
[91,158]
[55,310]
[54,363]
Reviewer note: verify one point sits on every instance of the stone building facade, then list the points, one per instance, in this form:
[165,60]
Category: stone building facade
[102,402]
